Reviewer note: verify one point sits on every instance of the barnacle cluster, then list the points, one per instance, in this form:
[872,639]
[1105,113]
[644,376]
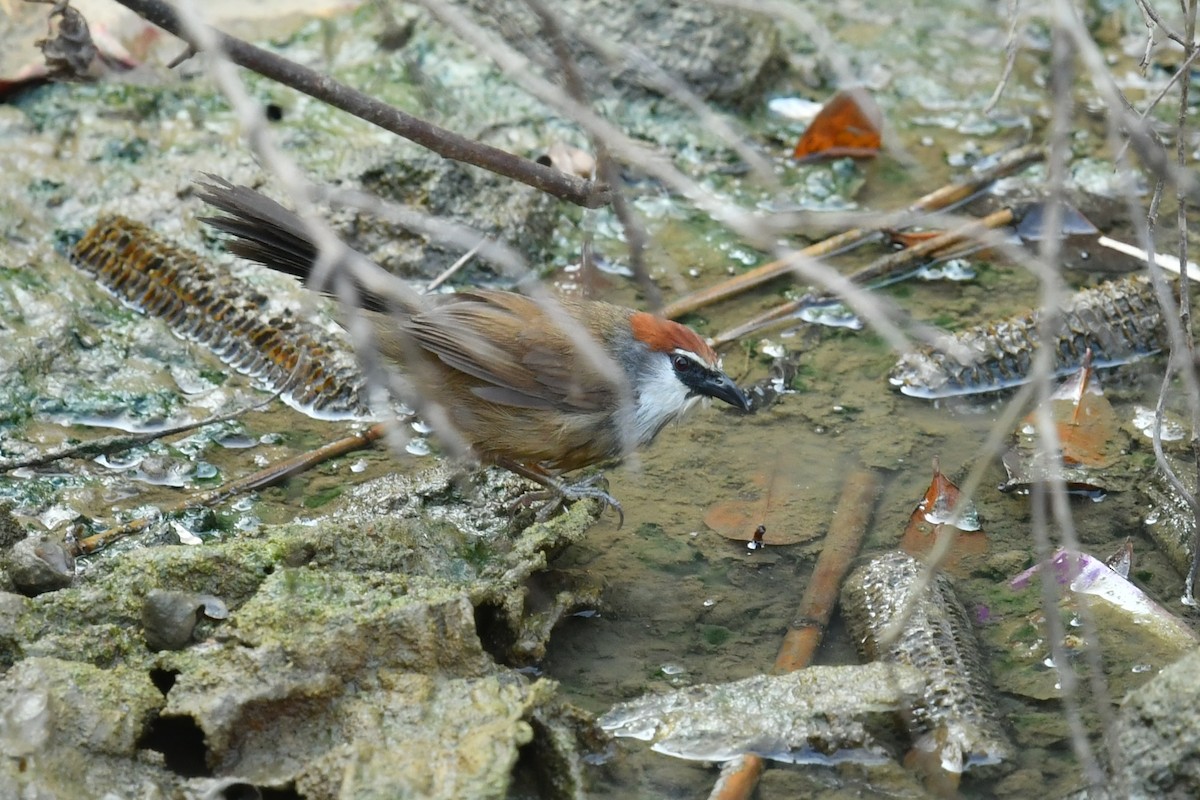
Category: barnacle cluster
[215,309]
[1120,321]
[955,715]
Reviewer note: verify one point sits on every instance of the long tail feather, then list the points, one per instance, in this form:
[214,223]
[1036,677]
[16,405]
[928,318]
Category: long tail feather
[264,231]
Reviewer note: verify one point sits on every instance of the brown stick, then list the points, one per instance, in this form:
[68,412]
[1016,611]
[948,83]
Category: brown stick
[269,476]
[845,537]
[324,88]
[890,264]
[846,532]
[123,441]
[934,201]
[910,257]
[738,778]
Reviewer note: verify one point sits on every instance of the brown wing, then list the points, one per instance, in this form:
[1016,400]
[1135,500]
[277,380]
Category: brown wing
[485,335]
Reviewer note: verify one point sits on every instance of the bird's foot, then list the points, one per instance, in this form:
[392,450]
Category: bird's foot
[587,488]
[557,495]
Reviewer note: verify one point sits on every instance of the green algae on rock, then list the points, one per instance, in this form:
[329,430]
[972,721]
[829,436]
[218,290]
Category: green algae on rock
[288,354]
[347,641]
[70,728]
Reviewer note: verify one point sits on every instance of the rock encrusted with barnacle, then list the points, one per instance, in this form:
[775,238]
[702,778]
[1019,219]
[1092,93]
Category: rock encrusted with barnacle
[954,720]
[1120,321]
[818,715]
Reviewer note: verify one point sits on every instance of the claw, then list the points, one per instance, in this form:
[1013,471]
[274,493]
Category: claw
[558,494]
[586,488]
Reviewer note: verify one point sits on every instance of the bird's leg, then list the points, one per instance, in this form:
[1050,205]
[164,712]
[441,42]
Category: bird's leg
[557,492]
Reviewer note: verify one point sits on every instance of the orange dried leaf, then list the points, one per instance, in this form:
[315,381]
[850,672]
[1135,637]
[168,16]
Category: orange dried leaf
[941,501]
[1086,422]
[909,238]
[931,515]
[850,124]
[1088,443]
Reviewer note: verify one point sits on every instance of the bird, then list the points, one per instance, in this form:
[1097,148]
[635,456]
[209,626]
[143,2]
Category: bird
[520,388]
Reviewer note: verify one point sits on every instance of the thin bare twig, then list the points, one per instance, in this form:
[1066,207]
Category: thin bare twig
[1183,70]
[1050,495]
[1185,296]
[124,441]
[607,168]
[268,476]
[1142,138]
[1010,55]
[439,140]
[450,271]
[1155,21]
[1160,457]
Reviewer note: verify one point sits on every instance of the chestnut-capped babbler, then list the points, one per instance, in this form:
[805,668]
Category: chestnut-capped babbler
[517,387]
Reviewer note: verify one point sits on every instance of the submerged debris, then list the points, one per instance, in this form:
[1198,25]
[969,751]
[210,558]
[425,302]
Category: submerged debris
[1096,582]
[771,497]
[1089,441]
[941,504]
[944,511]
[954,723]
[817,715]
[284,353]
[1120,321]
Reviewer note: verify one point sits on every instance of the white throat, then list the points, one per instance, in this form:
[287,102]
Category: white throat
[661,398]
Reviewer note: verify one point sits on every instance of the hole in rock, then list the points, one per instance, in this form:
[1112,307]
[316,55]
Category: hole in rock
[181,743]
[495,633]
[535,773]
[163,679]
[527,775]
[248,791]
[241,791]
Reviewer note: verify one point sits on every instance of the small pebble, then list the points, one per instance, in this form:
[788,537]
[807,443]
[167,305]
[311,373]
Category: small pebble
[38,565]
[169,618]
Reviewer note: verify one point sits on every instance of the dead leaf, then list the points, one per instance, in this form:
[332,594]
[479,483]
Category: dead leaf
[774,499]
[931,517]
[850,124]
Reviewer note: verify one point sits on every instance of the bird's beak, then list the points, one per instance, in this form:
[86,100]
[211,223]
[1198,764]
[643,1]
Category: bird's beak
[719,385]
